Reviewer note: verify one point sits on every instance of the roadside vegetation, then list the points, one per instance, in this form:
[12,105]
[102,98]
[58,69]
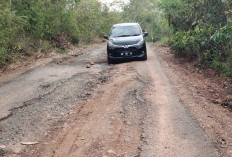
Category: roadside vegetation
[198,30]
[202,31]
[28,27]
[149,15]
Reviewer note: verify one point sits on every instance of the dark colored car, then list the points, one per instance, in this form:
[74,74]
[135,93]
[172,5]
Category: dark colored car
[126,41]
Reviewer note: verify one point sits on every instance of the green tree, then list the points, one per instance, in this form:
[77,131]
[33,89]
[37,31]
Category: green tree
[202,29]
[28,26]
[147,14]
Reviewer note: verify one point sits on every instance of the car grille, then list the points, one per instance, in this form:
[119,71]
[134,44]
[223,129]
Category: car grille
[118,51]
[130,49]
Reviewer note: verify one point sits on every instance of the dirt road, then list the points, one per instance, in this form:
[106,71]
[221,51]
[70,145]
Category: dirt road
[135,109]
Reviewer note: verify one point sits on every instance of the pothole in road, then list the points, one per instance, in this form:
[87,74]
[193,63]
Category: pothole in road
[2,152]
[60,61]
[102,61]
[45,86]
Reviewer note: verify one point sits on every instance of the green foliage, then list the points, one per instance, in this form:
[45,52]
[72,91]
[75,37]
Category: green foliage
[191,43]
[46,19]
[201,30]
[149,16]
[222,49]
[187,14]
[94,20]
[28,26]
[3,53]
[10,25]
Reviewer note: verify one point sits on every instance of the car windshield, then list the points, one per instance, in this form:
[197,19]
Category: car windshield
[124,31]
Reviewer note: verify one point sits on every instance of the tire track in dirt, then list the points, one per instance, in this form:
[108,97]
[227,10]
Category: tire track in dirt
[110,124]
[132,112]
[169,128]
[200,91]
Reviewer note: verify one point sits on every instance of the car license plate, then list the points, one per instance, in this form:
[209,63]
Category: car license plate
[127,53]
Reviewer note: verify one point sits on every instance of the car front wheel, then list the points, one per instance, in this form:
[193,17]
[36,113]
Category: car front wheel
[109,60]
[145,56]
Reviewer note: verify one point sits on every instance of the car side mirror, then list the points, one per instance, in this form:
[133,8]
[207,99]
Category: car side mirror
[145,34]
[106,37]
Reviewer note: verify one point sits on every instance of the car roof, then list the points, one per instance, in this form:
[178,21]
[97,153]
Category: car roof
[126,24]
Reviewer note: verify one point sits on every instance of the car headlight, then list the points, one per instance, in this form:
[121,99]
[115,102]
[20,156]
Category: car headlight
[111,45]
[139,44]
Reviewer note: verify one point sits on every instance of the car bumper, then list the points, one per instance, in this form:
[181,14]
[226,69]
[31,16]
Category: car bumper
[127,57]
[126,53]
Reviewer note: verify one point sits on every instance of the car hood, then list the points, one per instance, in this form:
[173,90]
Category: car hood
[126,40]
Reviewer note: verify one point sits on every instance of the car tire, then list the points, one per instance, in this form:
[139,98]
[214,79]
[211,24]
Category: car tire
[110,61]
[145,57]
[145,54]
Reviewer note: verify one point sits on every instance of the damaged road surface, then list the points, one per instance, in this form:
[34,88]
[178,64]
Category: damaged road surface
[123,110]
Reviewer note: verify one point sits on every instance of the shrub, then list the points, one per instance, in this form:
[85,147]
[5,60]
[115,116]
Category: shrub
[10,25]
[29,26]
[202,30]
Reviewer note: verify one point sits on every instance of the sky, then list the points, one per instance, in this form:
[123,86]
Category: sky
[108,2]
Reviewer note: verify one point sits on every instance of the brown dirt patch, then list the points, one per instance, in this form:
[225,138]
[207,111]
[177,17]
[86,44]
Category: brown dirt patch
[206,94]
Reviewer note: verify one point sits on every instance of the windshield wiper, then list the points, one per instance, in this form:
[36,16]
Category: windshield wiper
[135,35]
[124,36]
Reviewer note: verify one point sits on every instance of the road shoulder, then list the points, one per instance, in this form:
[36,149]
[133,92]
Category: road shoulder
[201,94]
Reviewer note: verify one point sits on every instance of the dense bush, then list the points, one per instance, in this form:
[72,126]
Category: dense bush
[202,30]
[10,26]
[29,26]
[148,14]
[221,51]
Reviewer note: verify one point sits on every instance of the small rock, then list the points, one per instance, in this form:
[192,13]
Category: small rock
[222,141]
[216,101]
[87,94]
[92,63]
[62,114]
[2,147]
[29,143]
[230,152]
[229,97]
[211,116]
[111,152]
[212,91]
[143,135]
[88,66]
[81,138]
[16,150]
